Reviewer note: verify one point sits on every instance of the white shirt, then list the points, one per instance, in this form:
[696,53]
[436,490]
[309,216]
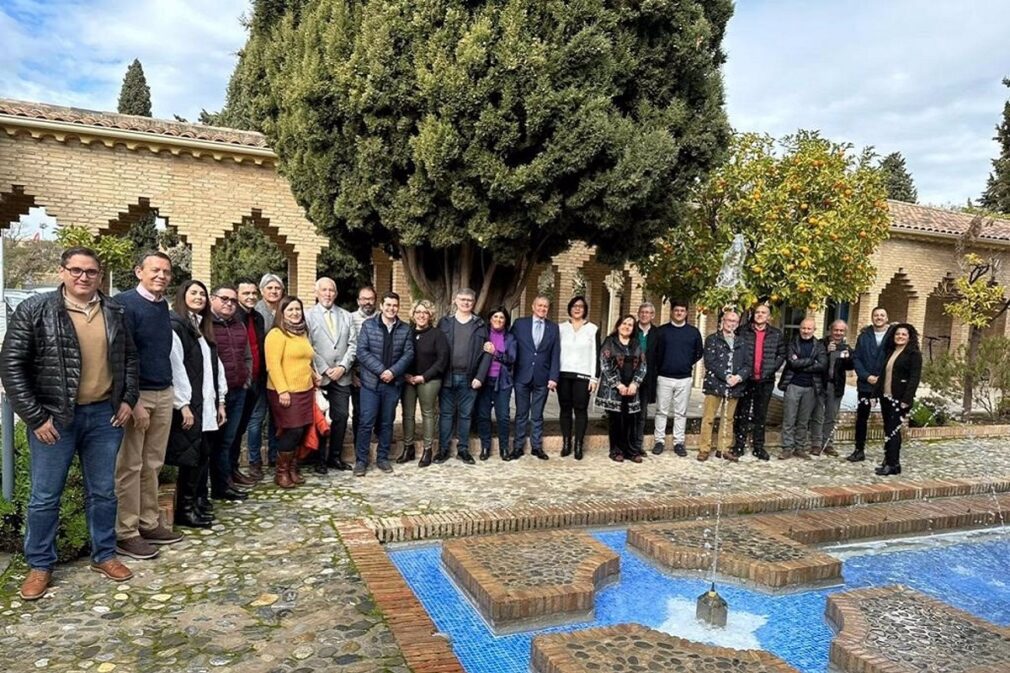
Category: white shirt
[578,349]
[183,392]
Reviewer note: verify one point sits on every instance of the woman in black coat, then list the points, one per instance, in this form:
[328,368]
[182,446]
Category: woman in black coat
[199,389]
[896,386]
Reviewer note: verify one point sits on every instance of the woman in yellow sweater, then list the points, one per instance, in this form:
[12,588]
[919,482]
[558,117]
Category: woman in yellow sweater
[291,383]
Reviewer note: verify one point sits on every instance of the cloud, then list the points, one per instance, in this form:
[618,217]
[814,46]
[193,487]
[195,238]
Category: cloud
[74,52]
[922,78]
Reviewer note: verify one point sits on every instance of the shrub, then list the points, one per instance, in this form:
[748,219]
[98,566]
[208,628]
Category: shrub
[72,534]
[929,412]
[990,374]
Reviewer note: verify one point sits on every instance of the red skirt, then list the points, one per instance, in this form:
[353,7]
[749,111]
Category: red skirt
[298,414]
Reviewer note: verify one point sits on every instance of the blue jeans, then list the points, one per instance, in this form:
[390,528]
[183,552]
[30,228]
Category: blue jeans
[221,465]
[378,405]
[92,435]
[456,397]
[487,399]
[255,442]
[530,401]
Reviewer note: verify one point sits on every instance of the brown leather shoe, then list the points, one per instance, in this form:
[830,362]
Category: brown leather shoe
[702,456]
[35,585]
[113,569]
[282,476]
[256,471]
[294,472]
[830,451]
[241,479]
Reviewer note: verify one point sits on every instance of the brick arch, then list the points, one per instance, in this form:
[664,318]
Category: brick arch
[896,295]
[263,223]
[938,328]
[14,204]
[120,225]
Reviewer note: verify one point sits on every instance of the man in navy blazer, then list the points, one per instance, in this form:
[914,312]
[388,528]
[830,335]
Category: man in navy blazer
[537,369]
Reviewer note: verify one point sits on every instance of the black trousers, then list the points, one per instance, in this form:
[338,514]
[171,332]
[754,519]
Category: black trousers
[191,483]
[863,419]
[892,412]
[752,414]
[573,398]
[622,431]
[290,439]
[338,397]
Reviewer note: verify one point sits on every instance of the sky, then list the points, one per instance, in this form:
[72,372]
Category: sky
[922,77]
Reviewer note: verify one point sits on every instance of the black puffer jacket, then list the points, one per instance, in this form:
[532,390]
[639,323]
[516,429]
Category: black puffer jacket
[816,364]
[773,353]
[40,363]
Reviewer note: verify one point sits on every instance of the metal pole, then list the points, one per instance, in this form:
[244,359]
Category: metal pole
[7,421]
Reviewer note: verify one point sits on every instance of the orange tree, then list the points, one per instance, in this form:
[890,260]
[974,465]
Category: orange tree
[811,216]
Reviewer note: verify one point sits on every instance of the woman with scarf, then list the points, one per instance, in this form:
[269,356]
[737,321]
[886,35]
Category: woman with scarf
[199,390]
[622,370]
[291,383]
[496,392]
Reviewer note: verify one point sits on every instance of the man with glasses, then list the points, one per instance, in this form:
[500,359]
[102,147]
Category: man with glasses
[468,365]
[255,408]
[70,368]
[331,332]
[366,310]
[138,524]
[233,350]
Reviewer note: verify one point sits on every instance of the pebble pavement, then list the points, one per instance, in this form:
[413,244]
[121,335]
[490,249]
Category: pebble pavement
[271,589]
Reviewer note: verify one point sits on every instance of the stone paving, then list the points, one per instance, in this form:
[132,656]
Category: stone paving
[272,589]
[630,648]
[899,630]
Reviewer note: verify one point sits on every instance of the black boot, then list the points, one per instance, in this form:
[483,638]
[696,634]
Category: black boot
[425,457]
[857,456]
[188,516]
[485,452]
[888,470]
[566,446]
[407,455]
[760,453]
[504,453]
[441,455]
[578,448]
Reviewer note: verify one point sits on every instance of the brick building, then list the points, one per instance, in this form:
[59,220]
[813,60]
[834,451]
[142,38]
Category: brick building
[103,170]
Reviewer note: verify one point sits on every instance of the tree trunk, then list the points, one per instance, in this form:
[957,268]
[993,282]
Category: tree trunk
[967,399]
[436,275]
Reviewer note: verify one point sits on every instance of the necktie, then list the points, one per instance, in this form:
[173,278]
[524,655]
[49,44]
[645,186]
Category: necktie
[330,326]
[538,332]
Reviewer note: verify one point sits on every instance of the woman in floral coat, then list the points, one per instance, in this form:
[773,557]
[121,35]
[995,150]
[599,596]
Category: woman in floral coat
[622,370]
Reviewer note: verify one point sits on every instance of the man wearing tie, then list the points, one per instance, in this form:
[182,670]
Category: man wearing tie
[537,369]
[334,340]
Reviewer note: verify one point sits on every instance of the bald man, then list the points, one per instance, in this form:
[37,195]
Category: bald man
[802,381]
[822,424]
[334,340]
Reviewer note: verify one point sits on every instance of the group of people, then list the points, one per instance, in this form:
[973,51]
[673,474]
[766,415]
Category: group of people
[141,380]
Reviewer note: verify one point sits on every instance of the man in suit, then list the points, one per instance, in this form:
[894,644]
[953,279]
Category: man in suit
[537,369]
[334,340]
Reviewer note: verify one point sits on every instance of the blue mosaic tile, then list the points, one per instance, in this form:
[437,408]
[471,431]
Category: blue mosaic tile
[970,576]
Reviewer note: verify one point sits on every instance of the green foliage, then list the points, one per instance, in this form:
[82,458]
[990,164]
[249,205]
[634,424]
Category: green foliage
[980,299]
[135,95]
[811,218]
[246,253]
[996,196]
[72,534]
[476,138]
[27,261]
[897,179]
[988,374]
[113,251]
[930,412]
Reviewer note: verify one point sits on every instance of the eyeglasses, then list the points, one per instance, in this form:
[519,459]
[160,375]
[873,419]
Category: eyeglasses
[226,300]
[77,272]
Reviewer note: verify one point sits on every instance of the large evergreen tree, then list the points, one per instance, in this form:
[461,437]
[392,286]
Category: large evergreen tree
[897,179]
[997,191]
[474,139]
[135,95]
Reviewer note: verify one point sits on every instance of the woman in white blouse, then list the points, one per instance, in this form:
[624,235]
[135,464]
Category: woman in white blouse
[579,372]
[199,385]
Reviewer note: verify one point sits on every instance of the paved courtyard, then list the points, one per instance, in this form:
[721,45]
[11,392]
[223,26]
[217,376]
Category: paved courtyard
[271,587]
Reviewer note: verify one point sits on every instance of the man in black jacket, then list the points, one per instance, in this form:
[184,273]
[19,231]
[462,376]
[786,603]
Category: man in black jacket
[70,367]
[822,424]
[802,382]
[646,333]
[248,295]
[769,349]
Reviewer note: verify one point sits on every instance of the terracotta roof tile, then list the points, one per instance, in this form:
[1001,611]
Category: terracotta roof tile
[930,220]
[114,120]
